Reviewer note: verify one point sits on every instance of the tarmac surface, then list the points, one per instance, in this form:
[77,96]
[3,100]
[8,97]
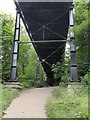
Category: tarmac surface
[30,104]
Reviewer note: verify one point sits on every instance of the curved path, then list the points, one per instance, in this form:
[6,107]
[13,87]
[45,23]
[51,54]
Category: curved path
[30,104]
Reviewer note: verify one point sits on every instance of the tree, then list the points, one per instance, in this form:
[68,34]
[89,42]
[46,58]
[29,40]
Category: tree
[62,69]
[24,53]
[6,38]
[82,32]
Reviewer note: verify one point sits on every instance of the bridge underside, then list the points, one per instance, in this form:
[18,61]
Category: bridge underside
[47,23]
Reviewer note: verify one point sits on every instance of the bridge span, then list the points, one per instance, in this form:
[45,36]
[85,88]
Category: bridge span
[47,24]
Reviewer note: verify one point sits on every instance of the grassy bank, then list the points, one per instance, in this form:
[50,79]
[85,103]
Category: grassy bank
[71,102]
[6,95]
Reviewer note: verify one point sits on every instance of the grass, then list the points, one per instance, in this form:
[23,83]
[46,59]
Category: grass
[32,83]
[6,96]
[68,102]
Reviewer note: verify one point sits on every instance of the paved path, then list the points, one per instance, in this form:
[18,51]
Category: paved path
[30,104]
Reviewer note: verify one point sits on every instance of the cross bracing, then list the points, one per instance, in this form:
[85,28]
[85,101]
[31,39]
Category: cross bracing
[47,24]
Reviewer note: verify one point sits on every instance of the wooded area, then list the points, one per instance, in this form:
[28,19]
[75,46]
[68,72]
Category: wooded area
[67,101]
[28,57]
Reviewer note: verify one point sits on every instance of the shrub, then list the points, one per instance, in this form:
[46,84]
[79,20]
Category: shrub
[86,78]
[27,83]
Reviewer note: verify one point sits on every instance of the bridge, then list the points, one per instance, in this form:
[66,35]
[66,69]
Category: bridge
[47,24]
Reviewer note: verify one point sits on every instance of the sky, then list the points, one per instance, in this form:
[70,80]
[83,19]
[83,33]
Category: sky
[8,6]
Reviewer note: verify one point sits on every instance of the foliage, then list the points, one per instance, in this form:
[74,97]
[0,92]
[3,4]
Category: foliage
[26,83]
[41,83]
[27,58]
[6,38]
[24,54]
[82,34]
[86,78]
[27,74]
[61,69]
[0,100]
[7,96]
[68,102]
[30,69]
[60,72]
[27,64]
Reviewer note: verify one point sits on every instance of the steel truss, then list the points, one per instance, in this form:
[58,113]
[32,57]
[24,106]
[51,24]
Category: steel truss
[73,61]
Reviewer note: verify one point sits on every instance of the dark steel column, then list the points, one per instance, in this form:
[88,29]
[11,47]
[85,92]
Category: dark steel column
[73,61]
[13,76]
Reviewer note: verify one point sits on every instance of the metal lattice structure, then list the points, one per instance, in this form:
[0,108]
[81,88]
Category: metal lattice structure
[47,24]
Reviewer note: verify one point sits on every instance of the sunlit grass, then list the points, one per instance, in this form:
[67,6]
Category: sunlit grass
[7,96]
[0,99]
[68,102]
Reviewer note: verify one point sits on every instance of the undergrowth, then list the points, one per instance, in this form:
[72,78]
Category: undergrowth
[68,102]
[32,83]
[7,95]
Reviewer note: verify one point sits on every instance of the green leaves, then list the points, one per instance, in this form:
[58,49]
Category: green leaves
[61,71]
[27,56]
[82,32]
[58,70]
[6,38]
[7,96]
[68,102]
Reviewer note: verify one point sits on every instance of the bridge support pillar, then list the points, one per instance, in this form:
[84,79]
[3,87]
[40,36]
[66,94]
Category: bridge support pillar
[44,77]
[13,74]
[73,61]
[37,69]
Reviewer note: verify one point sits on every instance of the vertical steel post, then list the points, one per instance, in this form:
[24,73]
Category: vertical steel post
[13,76]
[73,61]
[37,69]
[44,76]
